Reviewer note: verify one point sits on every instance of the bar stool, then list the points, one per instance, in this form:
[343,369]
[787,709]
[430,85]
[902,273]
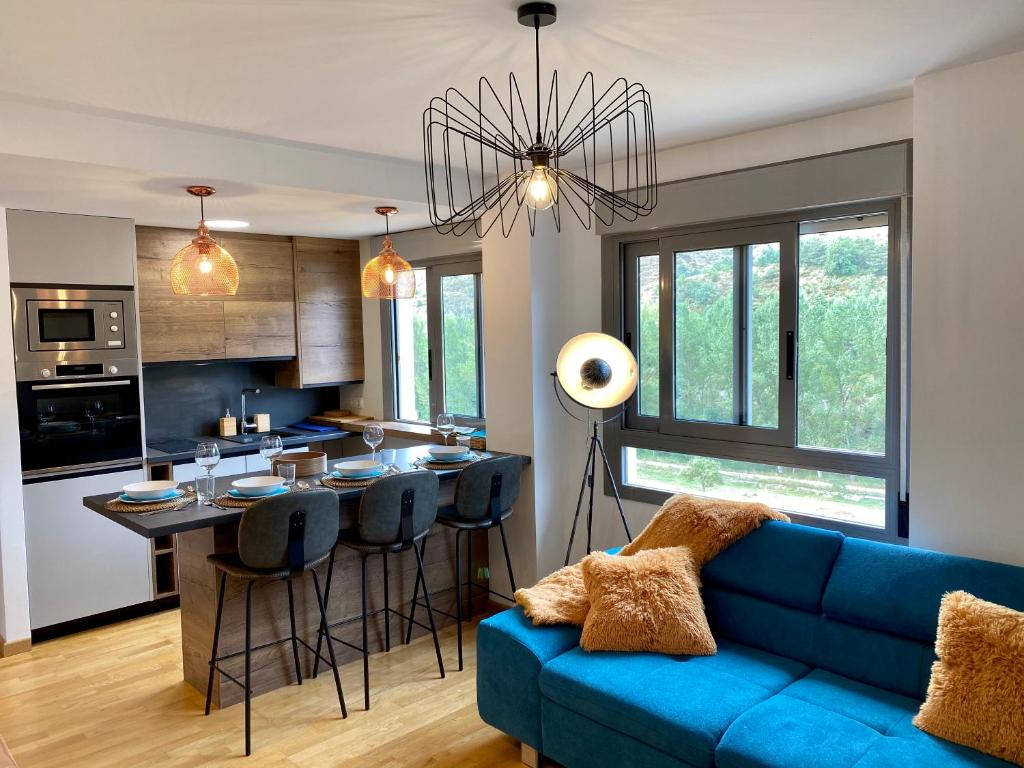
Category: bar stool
[485,493]
[395,513]
[279,539]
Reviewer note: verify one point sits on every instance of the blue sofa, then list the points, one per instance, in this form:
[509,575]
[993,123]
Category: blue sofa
[825,646]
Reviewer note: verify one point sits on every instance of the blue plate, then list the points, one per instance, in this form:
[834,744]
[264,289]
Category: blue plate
[450,459]
[365,475]
[233,493]
[173,494]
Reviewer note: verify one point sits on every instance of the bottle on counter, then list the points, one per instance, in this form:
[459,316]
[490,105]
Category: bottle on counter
[228,424]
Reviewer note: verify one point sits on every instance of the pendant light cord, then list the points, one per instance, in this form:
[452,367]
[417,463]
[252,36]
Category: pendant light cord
[536,48]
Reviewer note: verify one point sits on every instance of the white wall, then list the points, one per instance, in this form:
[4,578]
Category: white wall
[967,416]
[14,618]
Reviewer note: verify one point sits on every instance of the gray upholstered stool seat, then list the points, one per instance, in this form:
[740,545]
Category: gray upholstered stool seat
[484,496]
[279,539]
[232,565]
[395,514]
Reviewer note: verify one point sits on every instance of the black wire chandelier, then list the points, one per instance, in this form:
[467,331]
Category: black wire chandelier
[484,160]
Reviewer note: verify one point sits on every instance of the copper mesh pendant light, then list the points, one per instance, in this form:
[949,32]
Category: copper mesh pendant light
[388,275]
[203,268]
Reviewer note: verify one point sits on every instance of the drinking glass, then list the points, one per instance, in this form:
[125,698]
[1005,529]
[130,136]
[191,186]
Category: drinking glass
[271,447]
[373,435]
[445,425]
[286,471]
[388,457]
[463,441]
[207,456]
[205,485]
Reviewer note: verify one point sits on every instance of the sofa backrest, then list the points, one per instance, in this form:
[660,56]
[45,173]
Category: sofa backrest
[861,609]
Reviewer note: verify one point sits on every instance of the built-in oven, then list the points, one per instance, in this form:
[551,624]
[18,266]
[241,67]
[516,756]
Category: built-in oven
[71,426]
[77,368]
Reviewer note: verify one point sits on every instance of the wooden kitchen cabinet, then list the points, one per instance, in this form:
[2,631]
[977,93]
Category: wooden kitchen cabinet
[258,321]
[328,305]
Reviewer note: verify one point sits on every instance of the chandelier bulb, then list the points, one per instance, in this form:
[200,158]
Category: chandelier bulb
[541,189]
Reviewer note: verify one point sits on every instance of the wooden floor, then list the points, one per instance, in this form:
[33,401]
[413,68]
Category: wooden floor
[115,697]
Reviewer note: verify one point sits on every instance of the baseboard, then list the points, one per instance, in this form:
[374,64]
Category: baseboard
[14,647]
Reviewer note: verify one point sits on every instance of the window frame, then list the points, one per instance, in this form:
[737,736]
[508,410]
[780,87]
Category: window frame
[632,430]
[436,269]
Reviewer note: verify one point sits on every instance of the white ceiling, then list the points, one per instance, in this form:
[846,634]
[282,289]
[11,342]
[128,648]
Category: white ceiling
[357,74]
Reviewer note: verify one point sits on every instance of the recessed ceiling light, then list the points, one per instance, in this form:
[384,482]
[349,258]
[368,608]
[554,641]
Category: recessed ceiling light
[226,224]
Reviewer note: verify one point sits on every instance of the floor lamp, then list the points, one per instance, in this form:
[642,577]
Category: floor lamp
[596,371]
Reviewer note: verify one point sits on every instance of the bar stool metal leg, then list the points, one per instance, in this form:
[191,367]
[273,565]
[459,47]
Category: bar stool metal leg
[508,560]
[216,639]
[248,667]
[469,577]
[323,625]
[387,606]
[330,644]
[366,641]
[295,640]
[415,595]
[458,592]
[430,611]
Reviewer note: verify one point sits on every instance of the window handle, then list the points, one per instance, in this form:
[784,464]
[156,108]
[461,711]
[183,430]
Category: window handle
[629,341]
[430,365]
[790,355]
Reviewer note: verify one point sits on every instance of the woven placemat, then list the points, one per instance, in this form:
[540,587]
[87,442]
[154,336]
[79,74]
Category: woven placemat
[439,465]
[115,505]
[329,481]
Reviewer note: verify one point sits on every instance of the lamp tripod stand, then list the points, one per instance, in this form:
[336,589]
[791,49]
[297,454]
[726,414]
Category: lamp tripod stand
[590,472]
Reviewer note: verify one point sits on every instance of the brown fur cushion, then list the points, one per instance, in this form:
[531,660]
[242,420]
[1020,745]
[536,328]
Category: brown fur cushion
[976,692]
[706,526]
[649,601]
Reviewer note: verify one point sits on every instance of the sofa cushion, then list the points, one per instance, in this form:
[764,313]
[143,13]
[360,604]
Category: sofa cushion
[898,589]
[680,705]
[786,563]
[842,723]
[510,654]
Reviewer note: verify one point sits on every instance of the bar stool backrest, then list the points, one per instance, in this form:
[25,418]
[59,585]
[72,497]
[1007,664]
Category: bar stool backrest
[398,509]
[488,488]
[290,530]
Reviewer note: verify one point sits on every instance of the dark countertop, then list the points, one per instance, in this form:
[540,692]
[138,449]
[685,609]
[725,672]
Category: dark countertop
[194,517]
[289,438]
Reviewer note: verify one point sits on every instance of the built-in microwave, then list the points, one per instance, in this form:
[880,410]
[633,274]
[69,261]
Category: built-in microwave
[58,328]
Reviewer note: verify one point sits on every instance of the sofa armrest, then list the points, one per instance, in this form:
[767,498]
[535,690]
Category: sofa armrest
[510,653]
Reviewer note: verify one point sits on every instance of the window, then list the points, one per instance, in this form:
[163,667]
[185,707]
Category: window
[437,361]
[765,366]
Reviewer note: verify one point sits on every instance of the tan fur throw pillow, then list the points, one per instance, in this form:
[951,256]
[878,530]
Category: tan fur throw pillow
[649,601]
[976,692]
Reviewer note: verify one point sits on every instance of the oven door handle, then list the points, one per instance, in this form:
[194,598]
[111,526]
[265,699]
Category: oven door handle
[81,384]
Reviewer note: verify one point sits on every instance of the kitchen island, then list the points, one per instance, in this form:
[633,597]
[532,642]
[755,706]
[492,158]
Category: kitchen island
[206,530]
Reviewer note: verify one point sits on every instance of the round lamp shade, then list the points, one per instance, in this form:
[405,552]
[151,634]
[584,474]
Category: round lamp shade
[596,370]
[203,268]
[388,275]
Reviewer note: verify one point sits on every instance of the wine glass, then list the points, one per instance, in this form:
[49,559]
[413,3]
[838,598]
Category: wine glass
[445,425]
[47,413]
[271,447]
[373,435]
[207,456]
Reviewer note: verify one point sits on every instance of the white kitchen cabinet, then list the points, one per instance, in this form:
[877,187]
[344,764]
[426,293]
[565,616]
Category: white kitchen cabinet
[79,562]
[256,463]
[228,465]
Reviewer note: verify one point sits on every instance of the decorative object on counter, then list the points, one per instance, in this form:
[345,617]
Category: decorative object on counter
[228,424]
[596,371]
[203,268]
[373,435]
[119,504]
[207,456]
[512,163]
[262,421]
[306,462]
[330,481]
[388,275]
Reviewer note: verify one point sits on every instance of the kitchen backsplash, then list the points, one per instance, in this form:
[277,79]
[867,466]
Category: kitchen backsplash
[187,399]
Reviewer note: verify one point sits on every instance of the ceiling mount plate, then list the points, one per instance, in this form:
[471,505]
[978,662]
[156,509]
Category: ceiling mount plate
[544,14]
[200,190]
[385,210]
